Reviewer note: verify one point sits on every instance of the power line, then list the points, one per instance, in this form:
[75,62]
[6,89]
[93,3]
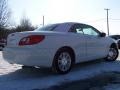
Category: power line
[97,20]
[114,19]
[103,19]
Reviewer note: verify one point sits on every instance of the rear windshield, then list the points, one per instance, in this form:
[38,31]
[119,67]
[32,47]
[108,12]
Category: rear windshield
[48,27]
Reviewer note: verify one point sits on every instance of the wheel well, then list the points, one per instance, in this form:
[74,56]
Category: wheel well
[113,45]
[70,51]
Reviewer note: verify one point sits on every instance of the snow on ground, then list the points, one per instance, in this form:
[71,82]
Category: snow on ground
[12,77]
[5,67]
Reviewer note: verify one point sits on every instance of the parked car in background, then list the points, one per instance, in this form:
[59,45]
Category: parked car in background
[116,38]
[59,46]
[2,43]
[118,42]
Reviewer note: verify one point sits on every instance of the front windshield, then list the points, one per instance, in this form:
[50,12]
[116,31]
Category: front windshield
[47,27]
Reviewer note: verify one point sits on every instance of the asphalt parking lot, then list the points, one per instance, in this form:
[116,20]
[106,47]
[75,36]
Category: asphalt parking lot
[96,75]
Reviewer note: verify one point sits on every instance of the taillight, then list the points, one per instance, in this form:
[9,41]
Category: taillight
[32,39]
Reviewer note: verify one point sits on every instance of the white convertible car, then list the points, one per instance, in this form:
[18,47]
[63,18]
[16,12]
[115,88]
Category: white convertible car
[59,46]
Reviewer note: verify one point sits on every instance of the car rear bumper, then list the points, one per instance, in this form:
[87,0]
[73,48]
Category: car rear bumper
[29,57]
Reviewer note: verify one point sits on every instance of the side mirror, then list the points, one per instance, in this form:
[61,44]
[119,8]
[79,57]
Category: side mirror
[102,34]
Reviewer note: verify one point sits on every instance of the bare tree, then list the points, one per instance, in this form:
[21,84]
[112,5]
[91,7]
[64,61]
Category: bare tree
[25,22]
[4,13]
[25,25]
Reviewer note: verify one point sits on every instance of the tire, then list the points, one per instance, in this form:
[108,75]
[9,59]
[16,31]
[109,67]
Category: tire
[112,55]
[63,61]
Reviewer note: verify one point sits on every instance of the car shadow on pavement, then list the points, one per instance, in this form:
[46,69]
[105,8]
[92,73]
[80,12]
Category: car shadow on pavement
[29,73]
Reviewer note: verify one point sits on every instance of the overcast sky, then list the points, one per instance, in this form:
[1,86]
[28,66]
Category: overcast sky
[84,11]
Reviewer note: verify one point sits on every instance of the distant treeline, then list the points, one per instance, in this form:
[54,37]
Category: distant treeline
[5,32]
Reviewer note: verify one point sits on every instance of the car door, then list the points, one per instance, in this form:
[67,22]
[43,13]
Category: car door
[94,43]
[79,42]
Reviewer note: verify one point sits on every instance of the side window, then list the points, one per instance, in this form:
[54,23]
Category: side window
[76,28]
[90,31]
[79,30]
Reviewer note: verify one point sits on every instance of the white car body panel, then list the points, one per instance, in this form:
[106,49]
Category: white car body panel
[86,48]
[95,46]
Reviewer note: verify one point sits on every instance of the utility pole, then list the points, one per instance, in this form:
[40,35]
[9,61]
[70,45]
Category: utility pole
[43,20]
[107,20]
